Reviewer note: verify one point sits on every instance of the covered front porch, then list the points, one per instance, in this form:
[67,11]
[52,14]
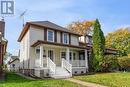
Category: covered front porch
[76,57]
[52,56]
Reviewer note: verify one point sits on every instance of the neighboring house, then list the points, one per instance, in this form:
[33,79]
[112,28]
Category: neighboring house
[47,49]
[3,44]
[13,64]
[87,41]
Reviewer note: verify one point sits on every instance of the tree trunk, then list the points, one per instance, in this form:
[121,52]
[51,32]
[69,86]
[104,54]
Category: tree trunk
[1,73]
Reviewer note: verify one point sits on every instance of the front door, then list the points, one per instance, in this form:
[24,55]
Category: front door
[51,54]
[81,56]
[63,55]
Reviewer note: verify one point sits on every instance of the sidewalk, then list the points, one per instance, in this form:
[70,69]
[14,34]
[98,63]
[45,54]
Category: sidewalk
[87,84]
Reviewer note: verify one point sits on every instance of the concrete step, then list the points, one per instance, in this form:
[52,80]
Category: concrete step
[61,73]
[60,77]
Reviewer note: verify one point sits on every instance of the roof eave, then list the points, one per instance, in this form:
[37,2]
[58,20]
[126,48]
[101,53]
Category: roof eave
[54,29]
[25,29]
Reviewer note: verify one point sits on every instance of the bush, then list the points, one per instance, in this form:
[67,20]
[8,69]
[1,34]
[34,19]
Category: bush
[124,63]
[129,55]
[110,63]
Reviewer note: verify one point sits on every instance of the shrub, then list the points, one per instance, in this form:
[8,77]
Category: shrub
[110,63]
[129,55]
[124,63]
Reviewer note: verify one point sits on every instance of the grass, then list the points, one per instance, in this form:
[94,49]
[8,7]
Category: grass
[120,79]
[14,80]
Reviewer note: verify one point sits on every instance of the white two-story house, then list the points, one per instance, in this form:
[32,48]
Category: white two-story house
[47,49]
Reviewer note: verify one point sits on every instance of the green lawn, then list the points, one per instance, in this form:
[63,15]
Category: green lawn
[120,79]
[14,80]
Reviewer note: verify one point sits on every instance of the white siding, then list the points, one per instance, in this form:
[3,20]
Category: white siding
[27,53]
[58,37]
[36,34]
[24,51]
[74,40]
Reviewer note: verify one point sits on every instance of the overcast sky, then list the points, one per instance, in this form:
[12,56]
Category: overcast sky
[112,14]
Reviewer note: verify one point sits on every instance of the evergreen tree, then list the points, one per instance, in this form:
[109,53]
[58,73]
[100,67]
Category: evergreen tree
[90,63]
[98,47]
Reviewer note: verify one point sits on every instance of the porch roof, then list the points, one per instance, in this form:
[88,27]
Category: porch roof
[38,42]
[107,50]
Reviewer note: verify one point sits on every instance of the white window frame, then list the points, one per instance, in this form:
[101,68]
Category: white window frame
[47,35]
[67,38]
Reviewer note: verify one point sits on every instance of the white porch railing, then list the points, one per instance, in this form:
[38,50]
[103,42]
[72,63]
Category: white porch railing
[51,65]
[66,65]
[78,63]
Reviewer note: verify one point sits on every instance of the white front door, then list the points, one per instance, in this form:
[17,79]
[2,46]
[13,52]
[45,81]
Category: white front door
[63,55]
[51,54]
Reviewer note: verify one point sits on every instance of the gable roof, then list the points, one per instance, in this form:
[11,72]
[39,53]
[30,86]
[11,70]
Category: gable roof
[49,25]
[13,60]
[46,24]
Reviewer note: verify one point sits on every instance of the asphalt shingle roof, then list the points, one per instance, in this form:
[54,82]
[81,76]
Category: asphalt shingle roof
[51,25]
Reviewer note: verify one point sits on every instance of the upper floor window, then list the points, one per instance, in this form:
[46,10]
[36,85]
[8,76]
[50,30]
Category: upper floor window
[50,35]
[65,38]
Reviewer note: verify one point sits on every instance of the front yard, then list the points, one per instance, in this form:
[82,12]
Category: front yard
[120,79]
[14,80]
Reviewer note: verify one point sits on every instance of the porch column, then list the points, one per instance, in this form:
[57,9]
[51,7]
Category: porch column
[68,54]
[86,59]
[41,56]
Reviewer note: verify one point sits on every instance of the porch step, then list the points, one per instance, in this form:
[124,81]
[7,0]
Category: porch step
[61,73]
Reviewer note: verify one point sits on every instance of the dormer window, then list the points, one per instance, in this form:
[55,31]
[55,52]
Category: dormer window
[65,38]
[50,35]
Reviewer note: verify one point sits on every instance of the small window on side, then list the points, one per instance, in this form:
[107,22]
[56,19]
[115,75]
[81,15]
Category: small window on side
[37,51]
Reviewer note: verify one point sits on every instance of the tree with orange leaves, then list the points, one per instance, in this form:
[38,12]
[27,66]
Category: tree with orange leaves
[81,27]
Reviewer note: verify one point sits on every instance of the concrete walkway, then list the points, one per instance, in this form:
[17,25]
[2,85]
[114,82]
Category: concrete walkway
[87,84]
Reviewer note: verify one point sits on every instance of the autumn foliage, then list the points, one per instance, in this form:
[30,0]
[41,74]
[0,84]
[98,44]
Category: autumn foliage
[120,40]
[81,27]
[124,62]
